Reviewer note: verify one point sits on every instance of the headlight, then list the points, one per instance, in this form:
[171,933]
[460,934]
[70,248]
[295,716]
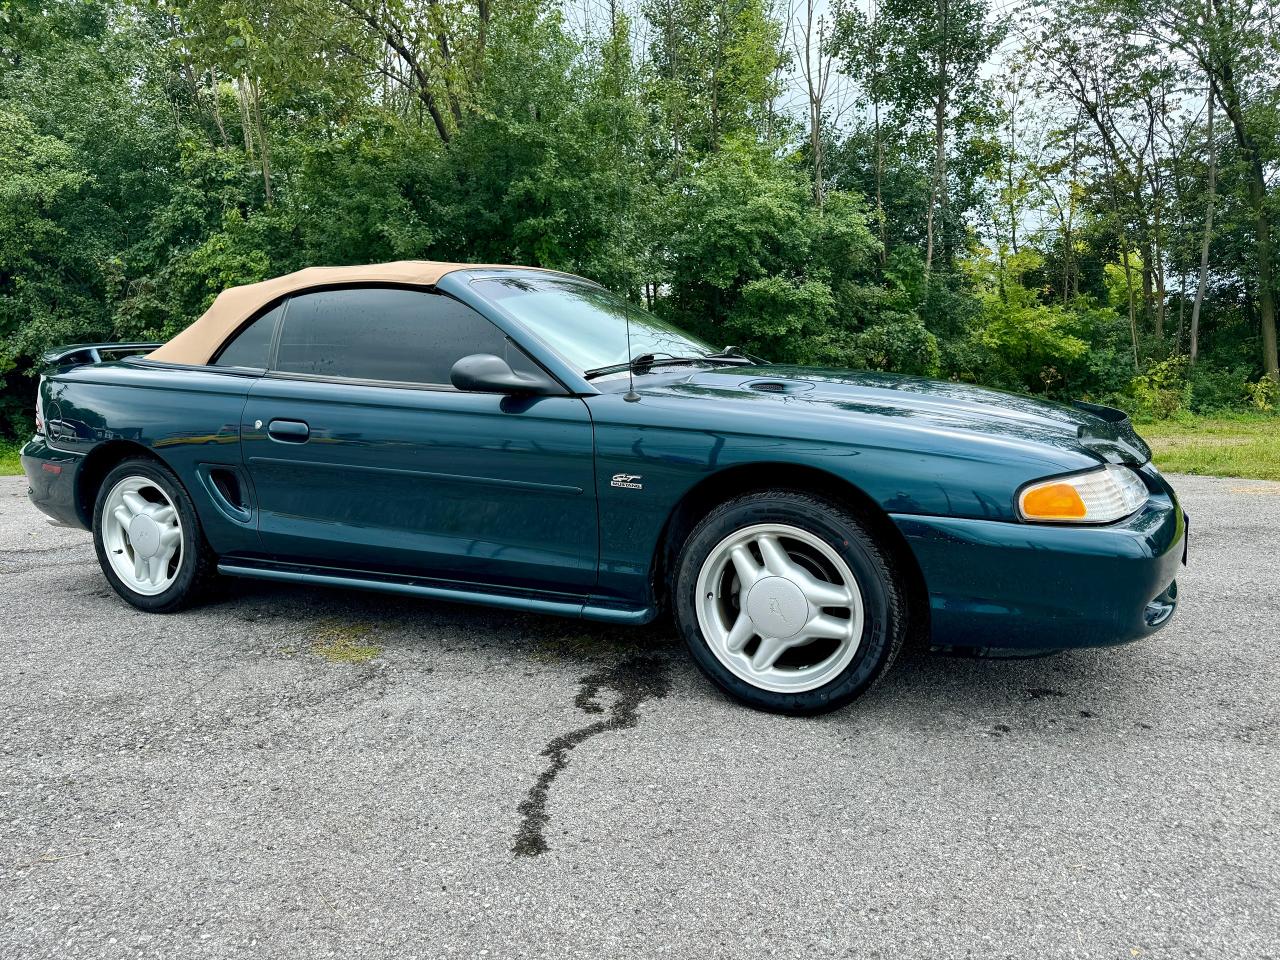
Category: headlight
[1099,496]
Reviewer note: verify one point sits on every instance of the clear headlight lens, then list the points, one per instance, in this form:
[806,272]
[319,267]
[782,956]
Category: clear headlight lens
[1099,496]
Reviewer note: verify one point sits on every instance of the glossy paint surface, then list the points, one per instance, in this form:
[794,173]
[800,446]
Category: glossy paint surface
[1047,587]
[467,485]
[188,417]
[931,449]
[498,495]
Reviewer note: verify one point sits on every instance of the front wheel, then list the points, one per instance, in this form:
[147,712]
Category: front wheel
[788,602]
[148,538]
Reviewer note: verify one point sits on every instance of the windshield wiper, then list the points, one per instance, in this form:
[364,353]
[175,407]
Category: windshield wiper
[645,361]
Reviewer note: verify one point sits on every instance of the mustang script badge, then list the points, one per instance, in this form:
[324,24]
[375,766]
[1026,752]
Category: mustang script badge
[626,480]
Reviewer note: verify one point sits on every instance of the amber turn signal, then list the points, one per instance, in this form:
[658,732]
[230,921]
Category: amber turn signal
[1055,501]
[1098,496]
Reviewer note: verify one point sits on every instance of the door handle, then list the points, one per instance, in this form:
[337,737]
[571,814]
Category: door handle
[288,431]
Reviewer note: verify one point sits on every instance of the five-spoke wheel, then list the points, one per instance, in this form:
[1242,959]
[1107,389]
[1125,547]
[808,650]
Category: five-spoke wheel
[143,535]
[148,538]
[789,601]
[779,607]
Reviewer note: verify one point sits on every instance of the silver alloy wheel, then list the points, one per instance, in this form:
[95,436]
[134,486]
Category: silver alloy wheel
[142,535]
[779,608]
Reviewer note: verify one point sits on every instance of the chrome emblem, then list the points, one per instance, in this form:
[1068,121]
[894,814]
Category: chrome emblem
[627,481]
[775,608]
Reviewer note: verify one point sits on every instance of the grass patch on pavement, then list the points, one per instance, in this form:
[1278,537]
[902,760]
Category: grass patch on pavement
[9,465]
[584,645]
[1239,446]
[343,642]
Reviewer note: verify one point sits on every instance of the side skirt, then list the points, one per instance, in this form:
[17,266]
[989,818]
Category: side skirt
[563,605]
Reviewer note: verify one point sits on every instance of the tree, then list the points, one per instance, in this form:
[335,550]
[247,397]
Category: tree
[715,66]
[813,56]
[1210,198]
[1234,43]
[931,56]
[693,154]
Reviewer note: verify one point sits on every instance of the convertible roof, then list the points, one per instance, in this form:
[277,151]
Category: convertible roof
[199,342]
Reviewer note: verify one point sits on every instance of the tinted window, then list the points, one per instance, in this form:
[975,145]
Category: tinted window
[385,334]
[252,345]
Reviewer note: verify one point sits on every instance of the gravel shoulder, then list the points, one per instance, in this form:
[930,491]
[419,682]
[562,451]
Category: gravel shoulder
[290,772]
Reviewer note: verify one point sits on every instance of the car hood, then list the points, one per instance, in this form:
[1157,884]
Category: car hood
[961,407]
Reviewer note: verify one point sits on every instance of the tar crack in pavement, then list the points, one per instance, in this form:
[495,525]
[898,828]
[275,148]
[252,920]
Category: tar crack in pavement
[634,680]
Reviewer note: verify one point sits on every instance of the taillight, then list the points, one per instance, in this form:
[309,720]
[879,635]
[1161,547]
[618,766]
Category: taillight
[40,408]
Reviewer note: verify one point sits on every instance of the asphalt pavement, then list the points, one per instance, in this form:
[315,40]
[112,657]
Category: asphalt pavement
[295,772]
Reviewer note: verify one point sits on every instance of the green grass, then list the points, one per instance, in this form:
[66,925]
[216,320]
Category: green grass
[340,642]
[9,465]
[1236,446]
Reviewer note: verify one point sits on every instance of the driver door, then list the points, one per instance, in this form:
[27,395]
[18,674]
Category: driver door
[362,455]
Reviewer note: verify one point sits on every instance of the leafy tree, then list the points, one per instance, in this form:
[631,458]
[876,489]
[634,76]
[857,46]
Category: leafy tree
[925,61]
[1032,216]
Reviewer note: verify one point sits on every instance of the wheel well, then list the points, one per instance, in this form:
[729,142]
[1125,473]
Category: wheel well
[97,464]
[736,481]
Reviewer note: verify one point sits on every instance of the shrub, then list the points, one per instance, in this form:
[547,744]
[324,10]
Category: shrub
[1215,389]
[1162,391]
[1037,343]
[1263,395]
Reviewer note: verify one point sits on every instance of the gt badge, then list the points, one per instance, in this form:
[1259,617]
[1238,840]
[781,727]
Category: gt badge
[627,481]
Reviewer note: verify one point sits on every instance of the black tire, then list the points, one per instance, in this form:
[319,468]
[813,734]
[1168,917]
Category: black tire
[882,587]
[197,565]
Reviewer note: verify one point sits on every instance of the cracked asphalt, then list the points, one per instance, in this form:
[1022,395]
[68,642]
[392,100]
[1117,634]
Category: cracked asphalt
[292,772]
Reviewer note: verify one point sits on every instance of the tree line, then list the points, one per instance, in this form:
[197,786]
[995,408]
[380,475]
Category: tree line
[1072,199]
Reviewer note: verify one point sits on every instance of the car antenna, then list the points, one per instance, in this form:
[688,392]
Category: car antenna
[631,396]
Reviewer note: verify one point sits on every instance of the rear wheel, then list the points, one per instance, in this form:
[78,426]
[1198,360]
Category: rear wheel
[148,538]
[788,602]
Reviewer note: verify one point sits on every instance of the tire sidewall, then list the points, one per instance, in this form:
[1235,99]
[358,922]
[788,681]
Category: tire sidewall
[184,583]
[844,534]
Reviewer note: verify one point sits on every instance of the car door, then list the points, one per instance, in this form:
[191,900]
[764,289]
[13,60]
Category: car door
[362,455]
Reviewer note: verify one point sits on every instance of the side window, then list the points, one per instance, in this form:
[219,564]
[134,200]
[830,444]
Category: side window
[251,347]
[402,336]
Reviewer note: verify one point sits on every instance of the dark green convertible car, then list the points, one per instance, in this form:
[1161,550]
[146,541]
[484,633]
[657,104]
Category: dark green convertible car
[526,439]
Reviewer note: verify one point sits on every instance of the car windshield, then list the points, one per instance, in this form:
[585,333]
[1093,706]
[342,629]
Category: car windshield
[586,324]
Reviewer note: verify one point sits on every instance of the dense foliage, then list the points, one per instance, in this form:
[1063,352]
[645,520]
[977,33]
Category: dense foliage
[1072,200]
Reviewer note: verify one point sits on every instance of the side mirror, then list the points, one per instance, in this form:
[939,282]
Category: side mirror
[485,373]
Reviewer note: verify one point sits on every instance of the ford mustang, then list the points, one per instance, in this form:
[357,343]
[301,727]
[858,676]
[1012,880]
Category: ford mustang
[526,439]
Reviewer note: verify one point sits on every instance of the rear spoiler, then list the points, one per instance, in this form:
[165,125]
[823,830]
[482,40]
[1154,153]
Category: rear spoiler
[1113,435]
[79,354]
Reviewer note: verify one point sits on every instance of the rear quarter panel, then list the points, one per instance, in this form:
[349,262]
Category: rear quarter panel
[189,418]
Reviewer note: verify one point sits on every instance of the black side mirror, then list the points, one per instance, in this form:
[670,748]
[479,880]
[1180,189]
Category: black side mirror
[485,373]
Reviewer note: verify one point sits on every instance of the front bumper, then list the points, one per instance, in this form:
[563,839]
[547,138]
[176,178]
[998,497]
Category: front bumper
[52,479]
[1028,587]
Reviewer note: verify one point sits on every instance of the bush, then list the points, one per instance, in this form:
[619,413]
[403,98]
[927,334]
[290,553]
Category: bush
[1037,345]
[1162,391]
[1263,395]
[1216,389]
[780,316]
[901,345]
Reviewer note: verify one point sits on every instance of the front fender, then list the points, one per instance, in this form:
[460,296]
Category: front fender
[667,446]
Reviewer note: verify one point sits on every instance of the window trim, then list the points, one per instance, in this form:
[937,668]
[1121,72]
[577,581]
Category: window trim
[361,381]
[273,372]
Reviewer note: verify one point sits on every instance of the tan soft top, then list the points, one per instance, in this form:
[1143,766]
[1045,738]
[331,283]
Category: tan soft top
[199,342]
